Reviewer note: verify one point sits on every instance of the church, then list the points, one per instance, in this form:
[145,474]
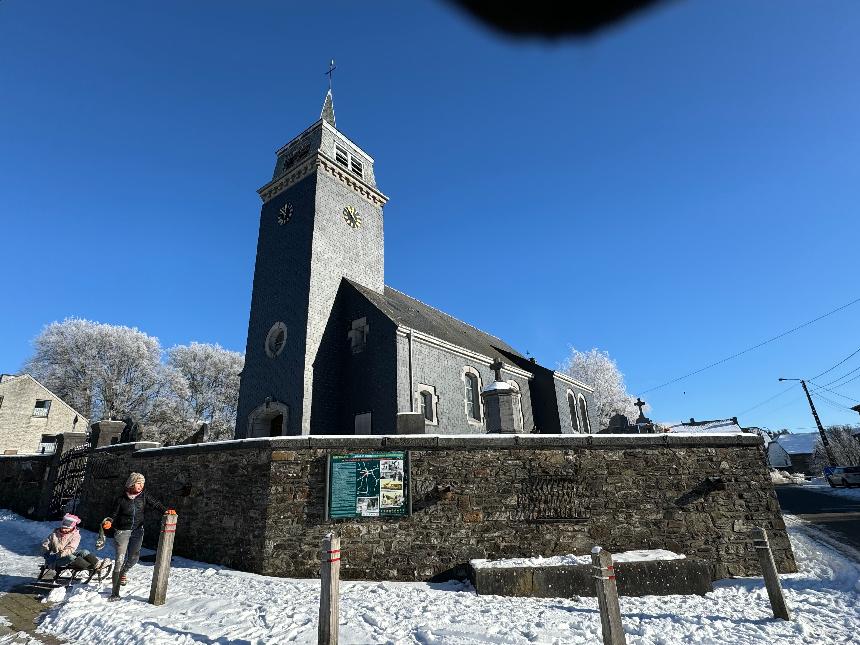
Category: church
[333,350]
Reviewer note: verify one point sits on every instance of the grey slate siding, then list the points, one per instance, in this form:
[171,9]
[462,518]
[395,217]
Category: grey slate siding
[339,251]
[298,271]
[347,383]
[280,293]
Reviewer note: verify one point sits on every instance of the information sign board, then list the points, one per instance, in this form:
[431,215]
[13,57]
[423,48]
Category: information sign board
[372,484]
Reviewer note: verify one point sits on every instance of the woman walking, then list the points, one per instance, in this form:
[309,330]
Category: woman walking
[127,521]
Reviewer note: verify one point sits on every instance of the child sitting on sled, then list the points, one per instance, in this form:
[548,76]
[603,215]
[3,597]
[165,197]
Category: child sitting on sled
[61,547]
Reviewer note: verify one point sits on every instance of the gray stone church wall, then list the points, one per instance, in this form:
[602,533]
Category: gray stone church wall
[444,369]
[258,505]
[561,389]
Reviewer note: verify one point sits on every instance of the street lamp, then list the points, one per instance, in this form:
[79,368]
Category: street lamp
[824,440]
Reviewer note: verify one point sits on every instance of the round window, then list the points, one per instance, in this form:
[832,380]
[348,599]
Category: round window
[276,339]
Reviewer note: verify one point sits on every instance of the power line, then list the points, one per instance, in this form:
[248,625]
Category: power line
[768,400]
[848,373]
[856,351]
[749,349]
[821,387]
[785,391]
[841,406]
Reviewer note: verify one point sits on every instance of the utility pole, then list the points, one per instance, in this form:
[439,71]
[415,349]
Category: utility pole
[824,440]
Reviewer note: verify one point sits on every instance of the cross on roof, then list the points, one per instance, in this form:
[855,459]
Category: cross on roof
[330,73]
[497,366]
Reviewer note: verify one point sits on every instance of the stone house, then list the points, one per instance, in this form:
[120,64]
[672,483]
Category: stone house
[30,412]
[332,349]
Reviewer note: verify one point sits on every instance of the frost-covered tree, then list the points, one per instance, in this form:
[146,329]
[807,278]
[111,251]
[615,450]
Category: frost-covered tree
[104,371]
[202,386]
[597,369]
[843,445]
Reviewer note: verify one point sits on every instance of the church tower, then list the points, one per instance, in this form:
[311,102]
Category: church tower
[321,221]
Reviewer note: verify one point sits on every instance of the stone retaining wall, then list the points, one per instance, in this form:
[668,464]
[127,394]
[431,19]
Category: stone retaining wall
[648,578]
[21,481]
[258,504]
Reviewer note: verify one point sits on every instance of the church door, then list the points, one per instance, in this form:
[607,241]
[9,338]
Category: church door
[275,426]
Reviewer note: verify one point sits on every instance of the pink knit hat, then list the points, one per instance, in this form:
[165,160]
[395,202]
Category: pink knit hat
[70,521]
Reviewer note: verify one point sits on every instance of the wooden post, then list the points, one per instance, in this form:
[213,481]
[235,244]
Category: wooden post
[771,578]
[329,590]
[158,590]
[603,572]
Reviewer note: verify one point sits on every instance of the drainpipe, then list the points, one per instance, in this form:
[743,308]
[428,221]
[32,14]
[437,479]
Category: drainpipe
[411,386]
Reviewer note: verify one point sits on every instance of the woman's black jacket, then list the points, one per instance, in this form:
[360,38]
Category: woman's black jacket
[128,513]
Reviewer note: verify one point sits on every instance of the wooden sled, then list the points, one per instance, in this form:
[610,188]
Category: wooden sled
[75,575]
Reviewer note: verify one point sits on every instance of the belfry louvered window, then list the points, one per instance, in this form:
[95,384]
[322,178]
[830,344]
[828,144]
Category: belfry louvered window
[341,156]
[348,160]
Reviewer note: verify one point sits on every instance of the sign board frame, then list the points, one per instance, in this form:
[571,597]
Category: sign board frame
[336,466]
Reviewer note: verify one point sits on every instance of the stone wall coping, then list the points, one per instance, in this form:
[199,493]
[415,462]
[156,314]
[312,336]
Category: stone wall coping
[28,456]
[446,442]
[129,447]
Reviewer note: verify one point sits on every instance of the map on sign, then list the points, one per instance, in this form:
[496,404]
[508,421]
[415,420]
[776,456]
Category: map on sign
[368,485]
[368,478]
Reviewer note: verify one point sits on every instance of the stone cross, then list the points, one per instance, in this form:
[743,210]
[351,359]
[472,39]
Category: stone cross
[496,366]
[639,404]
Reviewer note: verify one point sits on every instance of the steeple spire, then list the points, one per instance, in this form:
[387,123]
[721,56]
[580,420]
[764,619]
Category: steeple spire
[327,113]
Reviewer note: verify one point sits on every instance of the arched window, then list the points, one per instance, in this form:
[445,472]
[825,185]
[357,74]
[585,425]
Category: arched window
[583,414]
[472,394]
[427,406]
[517,402]
[574,417]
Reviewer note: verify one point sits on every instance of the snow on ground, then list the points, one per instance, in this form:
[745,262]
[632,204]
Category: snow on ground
[561,560]
[208,604]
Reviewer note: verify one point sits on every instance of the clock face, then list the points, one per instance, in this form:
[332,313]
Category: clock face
[285,214]
[351,216]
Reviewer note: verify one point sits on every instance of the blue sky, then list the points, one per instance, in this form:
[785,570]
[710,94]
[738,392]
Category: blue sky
[673,191]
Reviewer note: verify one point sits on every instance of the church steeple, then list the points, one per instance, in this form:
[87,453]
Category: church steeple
[327,113]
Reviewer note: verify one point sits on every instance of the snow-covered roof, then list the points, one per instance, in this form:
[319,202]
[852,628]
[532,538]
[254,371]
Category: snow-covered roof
[798,444]
[777,457]
[718,426]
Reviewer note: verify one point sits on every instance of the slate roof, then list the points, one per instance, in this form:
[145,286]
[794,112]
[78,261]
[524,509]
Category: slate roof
[802,443]
[409,312]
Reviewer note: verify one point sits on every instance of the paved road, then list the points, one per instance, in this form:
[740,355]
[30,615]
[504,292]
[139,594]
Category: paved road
[839,516]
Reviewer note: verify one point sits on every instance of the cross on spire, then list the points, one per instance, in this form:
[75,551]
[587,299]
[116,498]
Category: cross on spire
[327,113]
[330,73]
